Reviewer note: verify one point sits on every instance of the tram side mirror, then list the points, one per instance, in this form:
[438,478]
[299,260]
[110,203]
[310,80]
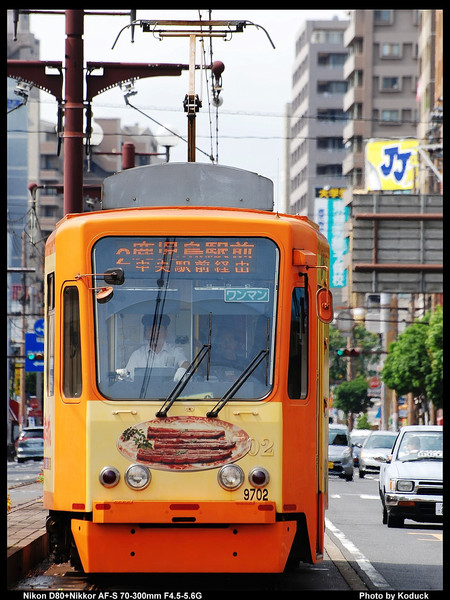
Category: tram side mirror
[114,276]
[324,299]
[104,294]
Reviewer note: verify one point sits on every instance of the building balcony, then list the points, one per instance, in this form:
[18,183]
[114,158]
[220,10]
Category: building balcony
[355,95]
[353,129]
[353,161]
[354,62]
[356,27]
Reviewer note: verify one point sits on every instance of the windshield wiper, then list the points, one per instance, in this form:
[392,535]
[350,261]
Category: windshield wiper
[238,383]
[205,350]
[264,353]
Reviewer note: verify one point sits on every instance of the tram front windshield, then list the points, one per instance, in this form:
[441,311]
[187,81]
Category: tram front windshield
[202,304]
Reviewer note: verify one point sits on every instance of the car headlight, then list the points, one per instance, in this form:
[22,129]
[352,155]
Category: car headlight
[405,485]
[230,477]
[137,477]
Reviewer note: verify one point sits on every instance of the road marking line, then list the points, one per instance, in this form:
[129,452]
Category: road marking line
[344,567]
[436,536]
[376,578]
[369,497]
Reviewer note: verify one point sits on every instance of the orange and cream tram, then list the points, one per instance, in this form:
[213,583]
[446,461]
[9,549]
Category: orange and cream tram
[212,458]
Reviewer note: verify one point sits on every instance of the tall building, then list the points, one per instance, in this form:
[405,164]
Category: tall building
[381,72]
[316,113]
[430,98]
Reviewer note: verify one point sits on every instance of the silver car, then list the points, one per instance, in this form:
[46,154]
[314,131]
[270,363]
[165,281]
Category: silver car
[340,459]
[377,444]
[357,438]
[30,444]
[411,485]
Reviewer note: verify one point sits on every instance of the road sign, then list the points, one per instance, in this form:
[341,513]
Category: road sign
[39,327]
[34,347]
[374,382]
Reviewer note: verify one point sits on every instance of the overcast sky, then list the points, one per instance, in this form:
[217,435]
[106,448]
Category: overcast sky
[256,81]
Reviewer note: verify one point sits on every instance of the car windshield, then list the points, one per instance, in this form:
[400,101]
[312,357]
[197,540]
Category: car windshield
[337,438]
[380,441]
[421,445]
[33,433]
[358,439]
[206,304]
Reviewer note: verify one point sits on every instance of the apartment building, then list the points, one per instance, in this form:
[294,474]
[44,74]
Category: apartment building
[316,117]
[381,72]
[104,159]
[430,98]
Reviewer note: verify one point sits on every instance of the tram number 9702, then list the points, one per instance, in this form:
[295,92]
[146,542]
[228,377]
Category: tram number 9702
[256,494]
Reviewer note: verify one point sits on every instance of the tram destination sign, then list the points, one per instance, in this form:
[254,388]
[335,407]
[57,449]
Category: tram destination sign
[196,256]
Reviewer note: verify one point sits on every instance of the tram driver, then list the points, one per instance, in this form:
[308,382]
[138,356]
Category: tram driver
[156,352]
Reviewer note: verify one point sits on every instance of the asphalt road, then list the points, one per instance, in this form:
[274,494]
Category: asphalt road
[398,559]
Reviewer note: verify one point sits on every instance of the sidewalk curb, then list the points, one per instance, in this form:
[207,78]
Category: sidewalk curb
[21,559]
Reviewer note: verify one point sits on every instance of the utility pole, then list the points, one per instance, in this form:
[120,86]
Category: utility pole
[73,112]
[23,399]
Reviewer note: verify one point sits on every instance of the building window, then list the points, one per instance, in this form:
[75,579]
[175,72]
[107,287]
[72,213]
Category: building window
[390,84]
[330,143]
[390,50]
[383,17]
[329,170]
[332,59]
[331,115]
[327,36]
[390,115]
[331,87]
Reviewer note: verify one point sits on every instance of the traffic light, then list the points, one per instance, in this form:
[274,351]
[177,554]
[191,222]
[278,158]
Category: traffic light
[35,356]
[347,352]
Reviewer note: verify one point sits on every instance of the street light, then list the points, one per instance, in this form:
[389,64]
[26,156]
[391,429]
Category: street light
[167,136]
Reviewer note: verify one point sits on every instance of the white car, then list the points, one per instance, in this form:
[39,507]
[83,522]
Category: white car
[377,443]
[410,483]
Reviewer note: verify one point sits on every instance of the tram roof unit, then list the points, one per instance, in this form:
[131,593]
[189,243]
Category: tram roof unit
[187,184]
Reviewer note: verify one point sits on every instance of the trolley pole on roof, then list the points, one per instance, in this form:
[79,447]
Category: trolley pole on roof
[192,105]
[193,30]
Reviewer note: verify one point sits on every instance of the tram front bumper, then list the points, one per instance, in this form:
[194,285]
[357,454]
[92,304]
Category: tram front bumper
[184,547]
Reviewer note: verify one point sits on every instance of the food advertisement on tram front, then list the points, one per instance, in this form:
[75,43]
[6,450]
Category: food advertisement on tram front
[184,443]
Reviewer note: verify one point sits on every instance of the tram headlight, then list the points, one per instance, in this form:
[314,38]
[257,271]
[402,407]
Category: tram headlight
[109,476]
[137,477]
[230,477]
[259,476]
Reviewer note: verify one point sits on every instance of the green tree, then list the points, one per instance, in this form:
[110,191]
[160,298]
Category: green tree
[435,346]
[407,364]
[363,422]
[351,397]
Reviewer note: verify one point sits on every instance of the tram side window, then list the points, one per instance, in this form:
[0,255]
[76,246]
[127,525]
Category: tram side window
[50,349]
[298,346]
[72,381]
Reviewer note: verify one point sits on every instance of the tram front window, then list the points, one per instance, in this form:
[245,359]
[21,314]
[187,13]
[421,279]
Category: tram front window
[185,302]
